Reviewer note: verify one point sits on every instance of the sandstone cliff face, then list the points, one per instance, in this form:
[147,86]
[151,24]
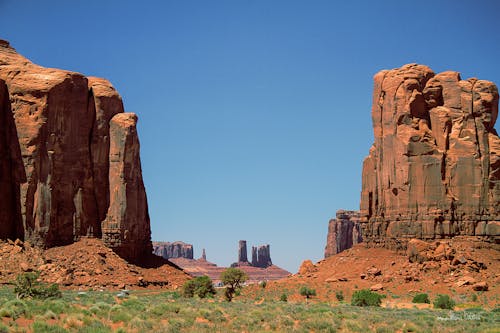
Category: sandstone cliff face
[55,182]
[434,168]
[174,250]
[343,232]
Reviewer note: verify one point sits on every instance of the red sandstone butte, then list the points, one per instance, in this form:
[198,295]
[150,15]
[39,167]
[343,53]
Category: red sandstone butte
[434,168]
[60,180]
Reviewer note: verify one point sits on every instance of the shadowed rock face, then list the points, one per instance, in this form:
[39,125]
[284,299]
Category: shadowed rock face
[55,146]
[343,232]
[242,251]
[434,168]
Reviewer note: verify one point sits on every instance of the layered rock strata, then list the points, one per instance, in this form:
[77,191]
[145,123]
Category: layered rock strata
[434,168]
[57,182]
[343,232]
[173,250]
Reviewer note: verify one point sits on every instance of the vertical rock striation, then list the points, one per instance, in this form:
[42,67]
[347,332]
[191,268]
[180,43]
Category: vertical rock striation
[434,168]
[126,228]
[55,148]
[242,251]
[343,232]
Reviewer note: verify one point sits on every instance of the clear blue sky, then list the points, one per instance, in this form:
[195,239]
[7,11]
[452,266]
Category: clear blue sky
[254,116]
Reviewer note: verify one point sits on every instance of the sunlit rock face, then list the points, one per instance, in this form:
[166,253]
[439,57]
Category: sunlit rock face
[343,232]
[69,160]
[434,168]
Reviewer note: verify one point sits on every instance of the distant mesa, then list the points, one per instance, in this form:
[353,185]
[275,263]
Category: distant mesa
[343,232]
[173,250]
[434,169]
[261,268]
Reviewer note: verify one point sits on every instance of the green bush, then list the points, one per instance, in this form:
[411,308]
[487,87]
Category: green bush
[339,295]
[444,302]
[421,298]
[200,286]
[232,278]
[307,292]
[28,286]
[284,297]
[365,297]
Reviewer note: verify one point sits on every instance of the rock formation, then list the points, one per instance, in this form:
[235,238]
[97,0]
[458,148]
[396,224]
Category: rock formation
[173,250]
[343,232]
[60,180]
[261,256]
[434,168]
[242,251]
[203,255]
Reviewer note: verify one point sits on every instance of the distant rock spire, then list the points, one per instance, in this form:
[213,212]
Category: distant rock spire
[203,255]
[242,251]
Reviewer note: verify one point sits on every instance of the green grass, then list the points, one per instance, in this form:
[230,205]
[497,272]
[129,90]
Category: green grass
[167,312]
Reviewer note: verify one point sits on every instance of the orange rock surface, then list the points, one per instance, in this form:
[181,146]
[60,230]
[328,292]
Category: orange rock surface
[434,168]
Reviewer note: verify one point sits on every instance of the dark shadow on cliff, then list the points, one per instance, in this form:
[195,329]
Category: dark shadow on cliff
[12,172]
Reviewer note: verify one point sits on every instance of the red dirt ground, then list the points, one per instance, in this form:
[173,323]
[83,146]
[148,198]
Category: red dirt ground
[86,264]
[350,270]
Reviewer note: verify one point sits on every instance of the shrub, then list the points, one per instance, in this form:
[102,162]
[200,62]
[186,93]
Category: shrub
[28,286]
[307,292]
[365,297]
[444,302]
[421,298]
[339,295]
[263,284]
[232,278]
[200,286]
[284,297]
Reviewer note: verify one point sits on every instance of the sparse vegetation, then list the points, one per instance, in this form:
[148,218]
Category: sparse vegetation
[444,302]
[155,311]
[365,297]
[200,286]
[421,298]
[232,278]
[307,292]
[27,285]
[339,295]
[284,297]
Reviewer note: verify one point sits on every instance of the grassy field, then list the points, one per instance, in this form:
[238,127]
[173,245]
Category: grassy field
[168,312]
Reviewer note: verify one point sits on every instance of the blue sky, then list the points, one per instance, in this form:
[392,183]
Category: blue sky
[254,116]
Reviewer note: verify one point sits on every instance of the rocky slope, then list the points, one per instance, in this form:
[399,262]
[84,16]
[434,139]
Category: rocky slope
[71,161]
[461,266]
[85,264]
[434,168]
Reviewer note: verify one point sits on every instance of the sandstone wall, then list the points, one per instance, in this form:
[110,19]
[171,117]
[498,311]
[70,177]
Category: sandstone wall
[343,232]
[55,146]
[434,168]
